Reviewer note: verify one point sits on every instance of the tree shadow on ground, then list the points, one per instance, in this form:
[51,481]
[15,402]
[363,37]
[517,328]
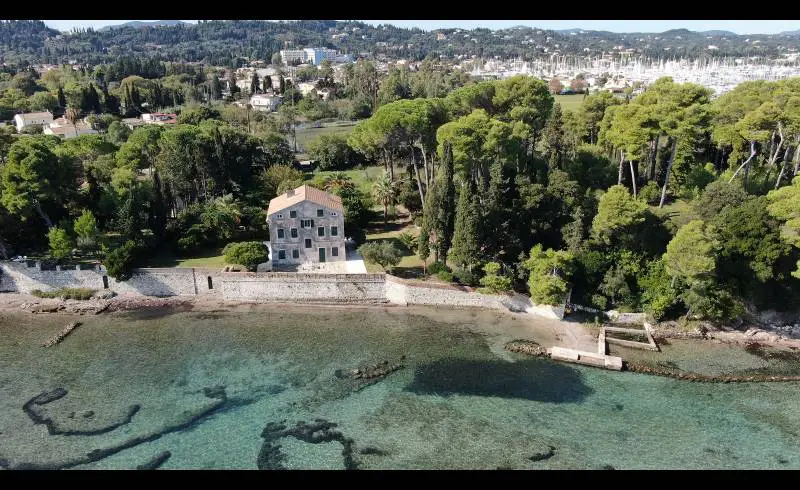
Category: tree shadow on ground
[535,379]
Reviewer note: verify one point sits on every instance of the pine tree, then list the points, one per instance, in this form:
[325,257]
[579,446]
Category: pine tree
[465,251]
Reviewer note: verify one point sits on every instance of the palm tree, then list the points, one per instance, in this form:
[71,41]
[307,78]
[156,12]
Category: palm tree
[385,191]
[72,115]
[337,180]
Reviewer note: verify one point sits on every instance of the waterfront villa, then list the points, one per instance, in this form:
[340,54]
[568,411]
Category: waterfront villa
[306,224]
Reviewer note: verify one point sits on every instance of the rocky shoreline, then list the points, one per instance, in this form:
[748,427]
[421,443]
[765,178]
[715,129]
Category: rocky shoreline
[787,336]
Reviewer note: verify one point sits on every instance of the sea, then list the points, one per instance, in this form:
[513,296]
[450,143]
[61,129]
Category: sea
[274,387]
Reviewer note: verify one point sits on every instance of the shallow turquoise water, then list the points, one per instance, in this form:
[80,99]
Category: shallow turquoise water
[460,401]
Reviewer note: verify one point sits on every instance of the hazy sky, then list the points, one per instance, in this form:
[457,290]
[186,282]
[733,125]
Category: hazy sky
[737,26]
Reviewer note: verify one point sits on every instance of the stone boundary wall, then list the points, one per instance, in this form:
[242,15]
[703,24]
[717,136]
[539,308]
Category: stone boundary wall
[404,292]
[18,277]
[315,288]
[285,287]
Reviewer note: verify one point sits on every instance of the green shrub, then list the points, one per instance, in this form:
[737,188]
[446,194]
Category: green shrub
[60,243]
[467,277]
[599,301]
[445,276]
[437,267]
[66,293]
[650,193]
[409,241]
[120,261]
[248,254]
[384,253]
[493,282]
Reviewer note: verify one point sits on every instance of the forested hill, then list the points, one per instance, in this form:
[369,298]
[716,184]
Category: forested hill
[221,42]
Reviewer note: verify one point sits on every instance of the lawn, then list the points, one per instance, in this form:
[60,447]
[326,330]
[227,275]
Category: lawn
[678,212]
[362,178]
[212,259]
[305,136]
[410,265]
[569,102]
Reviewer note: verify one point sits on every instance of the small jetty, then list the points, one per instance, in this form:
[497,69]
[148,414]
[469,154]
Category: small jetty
[62,334]
[587,358]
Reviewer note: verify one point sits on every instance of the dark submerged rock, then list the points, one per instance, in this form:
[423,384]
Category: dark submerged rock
[156,462]
[543,456]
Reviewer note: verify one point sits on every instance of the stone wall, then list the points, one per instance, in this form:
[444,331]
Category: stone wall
[404,292]
[291,287]
[18,277]
[270,286]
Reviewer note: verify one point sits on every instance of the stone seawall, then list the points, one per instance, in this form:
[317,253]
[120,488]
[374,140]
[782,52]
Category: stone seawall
[19,278]
[318,288]
[404,292]
[270,287]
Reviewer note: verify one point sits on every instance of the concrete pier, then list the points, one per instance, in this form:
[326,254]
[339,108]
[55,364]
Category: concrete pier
[586,358]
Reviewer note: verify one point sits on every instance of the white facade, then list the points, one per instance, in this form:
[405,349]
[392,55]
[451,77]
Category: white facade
[64,129]
[264,102]
[43,118]
[309,55]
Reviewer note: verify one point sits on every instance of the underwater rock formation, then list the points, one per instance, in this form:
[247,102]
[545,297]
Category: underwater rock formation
[62,334]
[319,431]
[527,347]
[221,403]
[551,451]
[156,462]
[366,375]
[31,408]
[689,376]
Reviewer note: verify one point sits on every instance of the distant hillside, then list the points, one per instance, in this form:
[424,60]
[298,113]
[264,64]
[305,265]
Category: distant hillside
[138,24]
[719,33]
[234,42]
[790,33]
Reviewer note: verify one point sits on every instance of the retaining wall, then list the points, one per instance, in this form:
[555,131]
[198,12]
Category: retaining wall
[271,286]
[291,287]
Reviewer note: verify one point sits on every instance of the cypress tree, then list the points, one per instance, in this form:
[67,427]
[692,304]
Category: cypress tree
[254,84]
[85,103]
[62,100]
[501,220]
[423,246]
[465,251]
[157,216]
[94,100]
[129,221]
[439,214]
[553,137]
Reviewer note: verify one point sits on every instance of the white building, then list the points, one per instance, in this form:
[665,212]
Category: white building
[160,118]
[31,118]
[64,129]
[306,87]
[266,102]
[309,55]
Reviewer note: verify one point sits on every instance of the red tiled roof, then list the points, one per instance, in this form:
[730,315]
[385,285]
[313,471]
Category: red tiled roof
[302,193]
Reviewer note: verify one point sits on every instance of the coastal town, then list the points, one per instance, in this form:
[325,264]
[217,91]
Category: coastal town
[486,206]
